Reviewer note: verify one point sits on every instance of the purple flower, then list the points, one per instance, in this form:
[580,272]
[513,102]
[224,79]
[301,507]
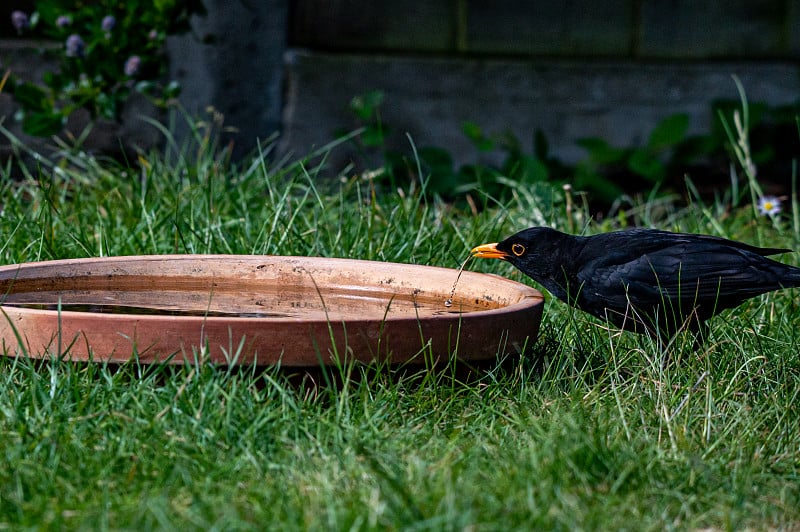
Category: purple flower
[20,21]
[153,35]
[75,46]
[108,23]
[63,21]
[132,65]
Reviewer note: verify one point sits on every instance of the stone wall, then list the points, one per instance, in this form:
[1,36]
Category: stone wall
[674,29]
[570,69]
[234,62]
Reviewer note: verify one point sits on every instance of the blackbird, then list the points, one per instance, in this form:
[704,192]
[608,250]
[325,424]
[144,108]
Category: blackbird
[645,280]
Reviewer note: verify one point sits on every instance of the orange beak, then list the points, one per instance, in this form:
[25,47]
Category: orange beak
[488,251]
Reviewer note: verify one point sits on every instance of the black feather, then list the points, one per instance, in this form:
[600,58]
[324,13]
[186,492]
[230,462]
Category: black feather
[644,279]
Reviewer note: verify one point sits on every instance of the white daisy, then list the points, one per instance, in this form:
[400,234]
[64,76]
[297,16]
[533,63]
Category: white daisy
[769,205]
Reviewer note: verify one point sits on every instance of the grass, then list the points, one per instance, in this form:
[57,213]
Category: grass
[589,431]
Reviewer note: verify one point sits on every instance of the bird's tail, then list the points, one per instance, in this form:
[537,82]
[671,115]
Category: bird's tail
[791,277]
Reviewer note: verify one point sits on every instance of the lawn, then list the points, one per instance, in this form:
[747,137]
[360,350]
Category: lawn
[589,430]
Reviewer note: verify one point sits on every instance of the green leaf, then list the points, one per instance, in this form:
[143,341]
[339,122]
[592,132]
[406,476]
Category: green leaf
[373,136]
[600,151]
[540,146]
[146,87]
[365,106]
[669,131]
[525,169]
[50,79]
[164,5]
[172,90]
[533,169]
[42,124]
[645,164]
[598,186]
[439,164]
[694,147]
[436,158]
[474,133]
[472,130]
[31,97]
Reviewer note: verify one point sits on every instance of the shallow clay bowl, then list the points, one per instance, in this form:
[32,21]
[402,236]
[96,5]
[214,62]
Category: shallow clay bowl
[234,309]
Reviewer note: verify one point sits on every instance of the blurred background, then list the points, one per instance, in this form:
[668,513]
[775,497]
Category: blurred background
[566,84]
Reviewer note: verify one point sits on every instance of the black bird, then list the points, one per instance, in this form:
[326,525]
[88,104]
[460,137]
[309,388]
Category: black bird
[645,280]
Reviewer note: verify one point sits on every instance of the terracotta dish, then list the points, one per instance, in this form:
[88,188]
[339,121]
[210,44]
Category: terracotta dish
[237,309]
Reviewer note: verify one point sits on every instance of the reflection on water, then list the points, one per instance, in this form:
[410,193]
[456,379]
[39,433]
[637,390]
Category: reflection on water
[131,309]
[289,303]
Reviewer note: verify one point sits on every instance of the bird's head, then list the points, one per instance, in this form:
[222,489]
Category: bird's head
[539,252]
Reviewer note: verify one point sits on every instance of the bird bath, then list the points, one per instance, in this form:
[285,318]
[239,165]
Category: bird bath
[299,311]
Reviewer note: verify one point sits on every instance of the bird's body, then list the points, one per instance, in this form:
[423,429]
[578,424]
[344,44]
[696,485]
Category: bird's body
[645,280]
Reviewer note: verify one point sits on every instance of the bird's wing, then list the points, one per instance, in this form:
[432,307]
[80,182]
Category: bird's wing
[712,241]
[683,272]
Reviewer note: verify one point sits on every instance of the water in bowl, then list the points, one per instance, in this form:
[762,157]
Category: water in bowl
[287,303]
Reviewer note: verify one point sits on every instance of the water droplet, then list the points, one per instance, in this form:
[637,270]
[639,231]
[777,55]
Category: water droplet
[449,302]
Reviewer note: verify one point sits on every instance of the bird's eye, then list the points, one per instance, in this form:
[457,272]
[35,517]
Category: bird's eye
[518,249]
